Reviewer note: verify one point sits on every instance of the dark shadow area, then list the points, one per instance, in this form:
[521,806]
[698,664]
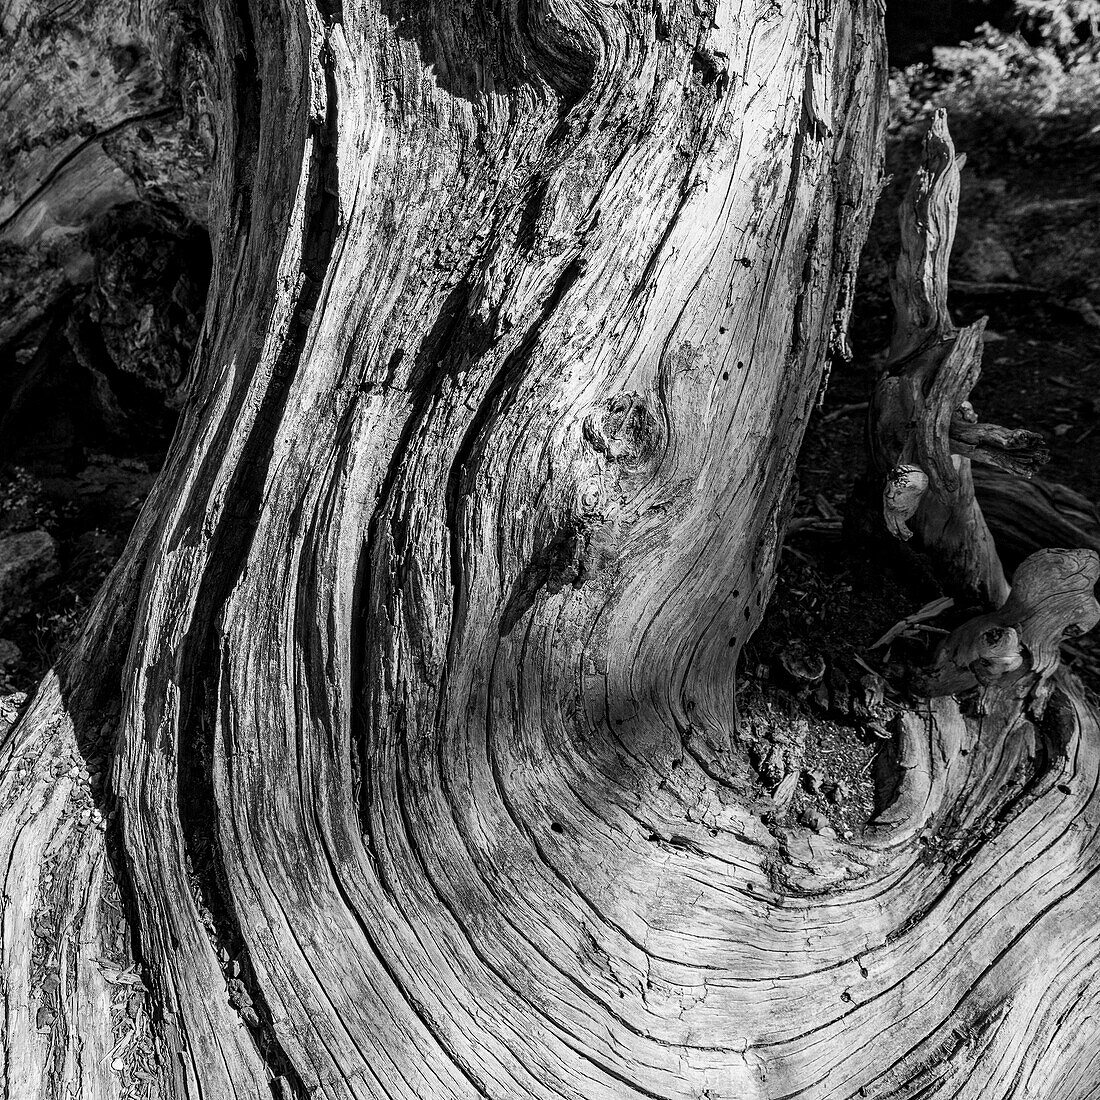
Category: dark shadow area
[914,29]
[89,397]
[108,371]
[476,49]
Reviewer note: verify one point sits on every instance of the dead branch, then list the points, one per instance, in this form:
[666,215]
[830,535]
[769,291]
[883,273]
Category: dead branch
[925,433]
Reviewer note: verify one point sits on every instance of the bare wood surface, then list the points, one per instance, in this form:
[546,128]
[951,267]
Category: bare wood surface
[396,703]
[923,431]
[1051,598]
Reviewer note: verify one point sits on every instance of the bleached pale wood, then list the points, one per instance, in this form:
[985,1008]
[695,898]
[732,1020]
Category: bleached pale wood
[428,629]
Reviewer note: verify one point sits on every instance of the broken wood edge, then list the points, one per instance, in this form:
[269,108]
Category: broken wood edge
[927,218]
[924,431]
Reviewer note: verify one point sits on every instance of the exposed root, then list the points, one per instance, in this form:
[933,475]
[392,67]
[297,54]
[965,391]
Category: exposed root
[1025,516]
[1052,597]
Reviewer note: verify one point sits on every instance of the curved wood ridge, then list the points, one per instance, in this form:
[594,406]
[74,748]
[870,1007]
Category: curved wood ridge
[1051,598]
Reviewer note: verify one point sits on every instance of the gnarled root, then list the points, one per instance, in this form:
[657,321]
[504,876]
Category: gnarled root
[1052,597]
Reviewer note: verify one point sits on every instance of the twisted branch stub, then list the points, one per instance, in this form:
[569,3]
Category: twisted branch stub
[1052,597]
[925,432]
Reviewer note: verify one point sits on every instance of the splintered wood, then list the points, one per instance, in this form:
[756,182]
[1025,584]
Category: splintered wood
[925,432]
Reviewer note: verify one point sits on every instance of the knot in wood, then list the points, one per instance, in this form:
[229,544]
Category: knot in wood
[590,497]
[1052,597]
[997,654]
[625,432]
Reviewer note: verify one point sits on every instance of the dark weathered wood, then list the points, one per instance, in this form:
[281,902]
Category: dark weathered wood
[101,104]
[924,433]
[1027,515]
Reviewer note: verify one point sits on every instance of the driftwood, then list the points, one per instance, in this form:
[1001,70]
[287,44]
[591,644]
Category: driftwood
[381,769]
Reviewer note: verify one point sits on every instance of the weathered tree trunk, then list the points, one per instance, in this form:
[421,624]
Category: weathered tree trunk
[390,761]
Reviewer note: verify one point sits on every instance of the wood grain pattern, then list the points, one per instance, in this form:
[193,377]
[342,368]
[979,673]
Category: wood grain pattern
[412,688]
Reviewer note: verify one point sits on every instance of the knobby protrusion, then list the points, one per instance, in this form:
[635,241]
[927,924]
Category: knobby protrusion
[1052,598]
[905,488]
